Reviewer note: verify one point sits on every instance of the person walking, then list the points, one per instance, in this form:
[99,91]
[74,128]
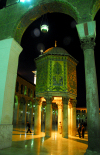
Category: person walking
[79,131]
[83,129]
[28,125]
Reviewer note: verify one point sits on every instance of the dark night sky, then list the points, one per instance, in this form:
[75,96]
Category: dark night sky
[64,31]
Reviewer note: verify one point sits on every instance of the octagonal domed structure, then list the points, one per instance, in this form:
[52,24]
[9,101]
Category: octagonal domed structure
[56,73]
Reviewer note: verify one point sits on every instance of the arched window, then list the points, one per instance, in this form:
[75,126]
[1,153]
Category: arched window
[31,93]
[25,90]
[28,92]
[21,89]
[17,86]
[34,94]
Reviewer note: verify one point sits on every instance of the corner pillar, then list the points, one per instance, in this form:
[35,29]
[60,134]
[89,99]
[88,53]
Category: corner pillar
[9,54]
[87,34]
[65,117]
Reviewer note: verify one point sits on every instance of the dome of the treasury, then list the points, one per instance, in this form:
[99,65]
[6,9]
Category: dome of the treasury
[56,51]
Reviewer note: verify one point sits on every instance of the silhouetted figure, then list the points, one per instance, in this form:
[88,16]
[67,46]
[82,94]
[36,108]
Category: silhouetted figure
[83,129]
[28,125]
[79,131]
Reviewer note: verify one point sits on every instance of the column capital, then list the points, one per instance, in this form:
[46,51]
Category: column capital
[49,99]
[37,100]
[65,100]
[87,43]
[87,34]
[59,105]
[73,102]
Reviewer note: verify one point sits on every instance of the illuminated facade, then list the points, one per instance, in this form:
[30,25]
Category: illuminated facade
[56,83]
[23,101]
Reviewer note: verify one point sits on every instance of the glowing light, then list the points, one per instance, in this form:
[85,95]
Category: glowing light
[24,1]
[44,28]
[36,32]
[35,72]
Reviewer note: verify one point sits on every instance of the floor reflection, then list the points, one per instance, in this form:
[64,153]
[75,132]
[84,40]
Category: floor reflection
[29,144]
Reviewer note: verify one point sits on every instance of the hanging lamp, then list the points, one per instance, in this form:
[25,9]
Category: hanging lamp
[44,27]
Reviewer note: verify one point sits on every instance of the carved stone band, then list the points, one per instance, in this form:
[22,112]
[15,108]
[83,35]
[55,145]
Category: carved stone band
[88,43]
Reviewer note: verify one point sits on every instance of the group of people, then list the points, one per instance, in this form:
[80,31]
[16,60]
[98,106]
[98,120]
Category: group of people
[81,131]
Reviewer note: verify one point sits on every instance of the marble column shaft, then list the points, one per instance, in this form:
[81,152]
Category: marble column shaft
[69,119]
[16,113]
[48,120]
[24,113]
[73,128]
[59,116]
[65,117]
[31,115]
[92,101]
[87,34]
[37,120]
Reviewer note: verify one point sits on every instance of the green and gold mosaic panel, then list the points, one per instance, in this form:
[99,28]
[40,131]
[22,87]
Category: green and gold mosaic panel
[71,78]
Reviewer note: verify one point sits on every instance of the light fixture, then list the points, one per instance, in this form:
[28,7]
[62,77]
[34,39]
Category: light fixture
[44,27]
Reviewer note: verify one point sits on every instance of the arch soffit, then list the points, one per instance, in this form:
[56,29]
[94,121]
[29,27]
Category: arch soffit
[95,7]
[34,13]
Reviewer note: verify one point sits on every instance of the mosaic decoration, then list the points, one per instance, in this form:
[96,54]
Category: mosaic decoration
[71,78]
[56,73]
[42,68]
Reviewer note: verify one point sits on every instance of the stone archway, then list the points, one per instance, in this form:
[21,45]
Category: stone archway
[12,29]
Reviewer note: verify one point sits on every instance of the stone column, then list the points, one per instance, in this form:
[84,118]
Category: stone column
[59,116]
[65,117]
[37,120]
[16,112]
[9,54]
[92,103]
[31,114]
[24,113]
[69,118]
[48,120]
[73,129]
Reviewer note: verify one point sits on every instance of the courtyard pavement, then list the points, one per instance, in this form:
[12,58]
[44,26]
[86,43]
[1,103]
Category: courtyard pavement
[29,144]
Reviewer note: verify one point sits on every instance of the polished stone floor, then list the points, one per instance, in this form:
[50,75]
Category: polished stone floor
[29,144]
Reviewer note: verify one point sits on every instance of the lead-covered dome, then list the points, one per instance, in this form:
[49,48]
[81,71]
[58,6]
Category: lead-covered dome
[55,51]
